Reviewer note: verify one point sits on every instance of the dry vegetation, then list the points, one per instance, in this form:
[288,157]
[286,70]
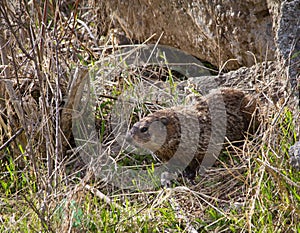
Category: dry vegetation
[47,50]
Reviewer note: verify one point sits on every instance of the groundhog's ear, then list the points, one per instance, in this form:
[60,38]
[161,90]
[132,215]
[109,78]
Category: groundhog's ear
[164,120]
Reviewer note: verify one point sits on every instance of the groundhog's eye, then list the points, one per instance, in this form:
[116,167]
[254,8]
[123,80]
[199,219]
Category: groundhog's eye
[144,129]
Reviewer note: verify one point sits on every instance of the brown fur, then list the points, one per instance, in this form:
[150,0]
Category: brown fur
[161,131]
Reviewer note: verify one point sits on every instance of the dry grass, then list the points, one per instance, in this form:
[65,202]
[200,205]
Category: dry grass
[46,52]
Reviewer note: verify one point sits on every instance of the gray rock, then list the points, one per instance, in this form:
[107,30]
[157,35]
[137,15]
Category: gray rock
[288,37]
[238,33]
[294,153]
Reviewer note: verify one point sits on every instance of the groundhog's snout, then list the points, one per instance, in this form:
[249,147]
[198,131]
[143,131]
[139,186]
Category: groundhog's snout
[129,137]
[139,133]
[130,134]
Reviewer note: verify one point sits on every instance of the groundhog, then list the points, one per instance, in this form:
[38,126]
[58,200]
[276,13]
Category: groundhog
[192,132]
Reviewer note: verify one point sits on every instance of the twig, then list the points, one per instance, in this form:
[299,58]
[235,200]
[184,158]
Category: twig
[125,101]
[102,196]
[11,139]
[45,224]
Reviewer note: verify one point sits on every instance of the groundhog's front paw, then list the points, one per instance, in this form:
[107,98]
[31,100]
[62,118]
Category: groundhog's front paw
[294,153]
[166,179]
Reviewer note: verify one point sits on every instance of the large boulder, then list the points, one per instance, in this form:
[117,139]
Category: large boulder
[238,33]
[288,38]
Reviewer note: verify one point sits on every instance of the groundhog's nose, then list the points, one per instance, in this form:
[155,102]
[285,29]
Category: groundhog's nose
[130,134]
[128,137]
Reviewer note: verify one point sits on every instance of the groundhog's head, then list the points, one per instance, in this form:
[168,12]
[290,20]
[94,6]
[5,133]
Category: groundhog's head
[153,131]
